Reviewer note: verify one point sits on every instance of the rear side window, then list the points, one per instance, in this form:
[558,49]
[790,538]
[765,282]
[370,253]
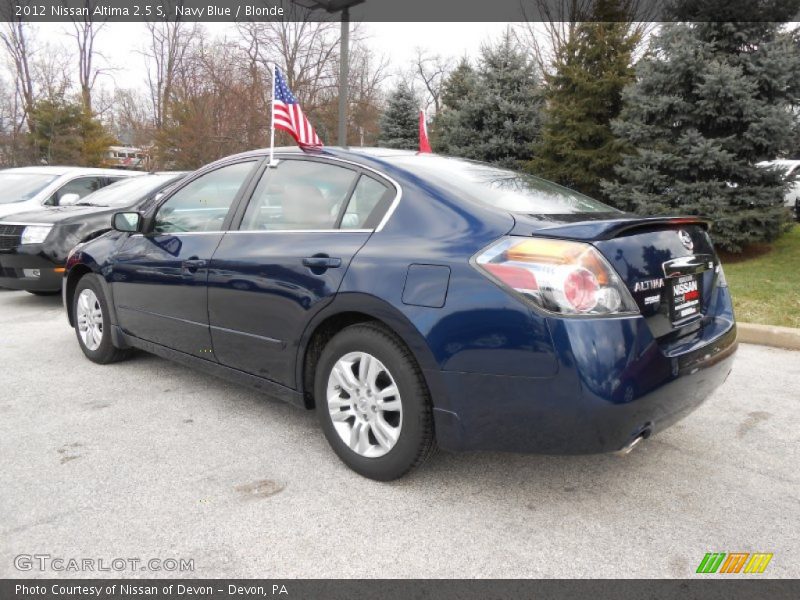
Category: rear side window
[512,191]
[298,195]
[368,204]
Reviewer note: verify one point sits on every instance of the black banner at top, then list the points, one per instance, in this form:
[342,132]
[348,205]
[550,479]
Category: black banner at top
[393,10]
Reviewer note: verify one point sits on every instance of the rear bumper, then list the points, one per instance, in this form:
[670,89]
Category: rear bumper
[614,382]
[13,275]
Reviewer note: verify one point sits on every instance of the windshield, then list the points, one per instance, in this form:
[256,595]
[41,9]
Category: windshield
[502,188]
[18,187]
[128,191]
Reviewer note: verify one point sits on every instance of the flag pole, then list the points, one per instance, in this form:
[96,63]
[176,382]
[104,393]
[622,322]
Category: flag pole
[272,122]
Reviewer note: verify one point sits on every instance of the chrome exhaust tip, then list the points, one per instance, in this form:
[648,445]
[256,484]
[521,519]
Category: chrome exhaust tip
[625,450]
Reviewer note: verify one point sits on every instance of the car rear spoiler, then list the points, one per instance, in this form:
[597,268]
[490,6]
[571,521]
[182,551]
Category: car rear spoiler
[604,229]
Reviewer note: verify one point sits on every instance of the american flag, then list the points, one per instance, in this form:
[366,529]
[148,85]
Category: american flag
[289,116]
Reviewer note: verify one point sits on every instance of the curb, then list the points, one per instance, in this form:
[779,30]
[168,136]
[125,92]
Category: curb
[769,335]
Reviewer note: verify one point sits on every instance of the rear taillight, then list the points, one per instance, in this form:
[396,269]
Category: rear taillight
[563,277]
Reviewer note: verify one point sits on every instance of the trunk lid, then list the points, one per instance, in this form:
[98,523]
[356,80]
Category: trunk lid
[668,264]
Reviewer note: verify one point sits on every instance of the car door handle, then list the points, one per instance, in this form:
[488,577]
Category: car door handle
[192,264]
[322,262]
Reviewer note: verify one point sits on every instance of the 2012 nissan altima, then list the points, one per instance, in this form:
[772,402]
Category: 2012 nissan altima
[416,301]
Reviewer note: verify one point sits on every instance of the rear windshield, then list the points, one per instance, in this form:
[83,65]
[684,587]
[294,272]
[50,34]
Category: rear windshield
[508,190]
[128,191]
[18,187]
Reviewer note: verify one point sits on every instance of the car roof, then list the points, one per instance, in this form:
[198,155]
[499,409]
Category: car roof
[56,170]
[151,174]
[330,151]
[365,156]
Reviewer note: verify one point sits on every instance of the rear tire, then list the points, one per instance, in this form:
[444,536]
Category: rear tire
[92,324]
[373,403]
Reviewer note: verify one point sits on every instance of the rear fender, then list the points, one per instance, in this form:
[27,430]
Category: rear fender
[384,312]
[447,425]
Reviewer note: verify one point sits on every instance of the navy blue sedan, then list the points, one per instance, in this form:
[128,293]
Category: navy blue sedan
[415,302]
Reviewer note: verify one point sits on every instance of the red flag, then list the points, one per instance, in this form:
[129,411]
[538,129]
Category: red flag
[424,145]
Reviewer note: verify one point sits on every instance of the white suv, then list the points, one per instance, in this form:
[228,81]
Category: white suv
[29,188]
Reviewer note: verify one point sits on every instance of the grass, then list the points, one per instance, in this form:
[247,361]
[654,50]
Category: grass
[765,281]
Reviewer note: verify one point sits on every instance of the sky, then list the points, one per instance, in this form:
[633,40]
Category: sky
[118,43]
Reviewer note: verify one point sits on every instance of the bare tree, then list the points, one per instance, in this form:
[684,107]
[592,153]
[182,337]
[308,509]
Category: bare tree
[11,120]
[85,34]
[52,72]
[215,107]
[165,53]
[17,39]
[551,25]
[130,119]
[305,48]
[368,72]
[307,52]
[432,70]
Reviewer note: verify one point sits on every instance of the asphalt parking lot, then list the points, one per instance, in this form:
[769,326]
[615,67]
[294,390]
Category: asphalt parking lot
[148,459]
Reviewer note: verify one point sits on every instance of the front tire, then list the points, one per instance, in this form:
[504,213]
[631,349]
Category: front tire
[92,323]
[373,404]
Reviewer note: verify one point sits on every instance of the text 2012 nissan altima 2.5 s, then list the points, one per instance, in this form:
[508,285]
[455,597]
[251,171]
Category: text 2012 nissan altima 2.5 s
[415,301]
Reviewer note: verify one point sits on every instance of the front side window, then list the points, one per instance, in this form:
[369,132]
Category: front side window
[83,186]
[297,195]
[203,204]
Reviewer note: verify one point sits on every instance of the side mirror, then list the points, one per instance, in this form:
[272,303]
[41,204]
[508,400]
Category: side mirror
[127,222]
[68,199]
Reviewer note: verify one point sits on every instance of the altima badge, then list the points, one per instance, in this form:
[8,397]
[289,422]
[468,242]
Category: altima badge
[649,284]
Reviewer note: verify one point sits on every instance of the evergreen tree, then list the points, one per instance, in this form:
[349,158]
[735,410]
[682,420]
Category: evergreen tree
[577,147]
[95,141]
[447,133]
[399,124]
[497,119]
[64,133]
[459,85]
[712,100]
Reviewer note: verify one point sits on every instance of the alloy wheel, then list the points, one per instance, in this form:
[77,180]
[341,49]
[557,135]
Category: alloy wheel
[89,315]
[364,404]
